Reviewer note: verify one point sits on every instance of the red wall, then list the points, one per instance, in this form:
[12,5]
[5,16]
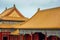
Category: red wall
[9,37]
[5,34]
[0,36]
[14,37]
[21,37]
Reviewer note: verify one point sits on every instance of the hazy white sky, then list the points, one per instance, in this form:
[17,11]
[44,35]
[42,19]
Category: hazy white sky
[29,7]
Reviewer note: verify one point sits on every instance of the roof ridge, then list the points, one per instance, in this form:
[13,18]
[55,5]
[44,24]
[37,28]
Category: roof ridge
[18,12]
[8,13]
[50,8]
[5,11]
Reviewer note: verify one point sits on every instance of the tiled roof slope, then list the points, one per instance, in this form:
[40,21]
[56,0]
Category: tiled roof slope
[43,19]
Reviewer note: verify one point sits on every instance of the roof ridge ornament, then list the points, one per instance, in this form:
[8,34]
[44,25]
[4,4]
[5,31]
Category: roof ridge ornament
[14,6]
[38,9]
[6,8]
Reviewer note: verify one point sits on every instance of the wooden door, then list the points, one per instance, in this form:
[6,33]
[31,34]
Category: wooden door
[38,36]
[5,38]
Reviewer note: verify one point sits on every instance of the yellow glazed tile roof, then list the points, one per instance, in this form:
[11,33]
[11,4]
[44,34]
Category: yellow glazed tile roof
[14,18]
[5,12]
[43,19]
[6,26]
[12,14]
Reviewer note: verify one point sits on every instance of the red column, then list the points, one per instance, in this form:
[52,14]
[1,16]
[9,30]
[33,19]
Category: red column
[0,35]
[8,33]
[45,35]
[18,37]
[22,37]
[31,36]
[36,37]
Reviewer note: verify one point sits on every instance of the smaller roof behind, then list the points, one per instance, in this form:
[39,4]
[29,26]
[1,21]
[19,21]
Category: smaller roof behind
[12,14]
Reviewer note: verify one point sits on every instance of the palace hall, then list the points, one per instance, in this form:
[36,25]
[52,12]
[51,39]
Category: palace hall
[43,25]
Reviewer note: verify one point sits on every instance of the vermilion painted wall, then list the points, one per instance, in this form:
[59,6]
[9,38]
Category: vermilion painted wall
[0,36]
[5,34]
[14,37]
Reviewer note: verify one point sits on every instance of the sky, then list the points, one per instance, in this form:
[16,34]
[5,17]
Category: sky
[29,7]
